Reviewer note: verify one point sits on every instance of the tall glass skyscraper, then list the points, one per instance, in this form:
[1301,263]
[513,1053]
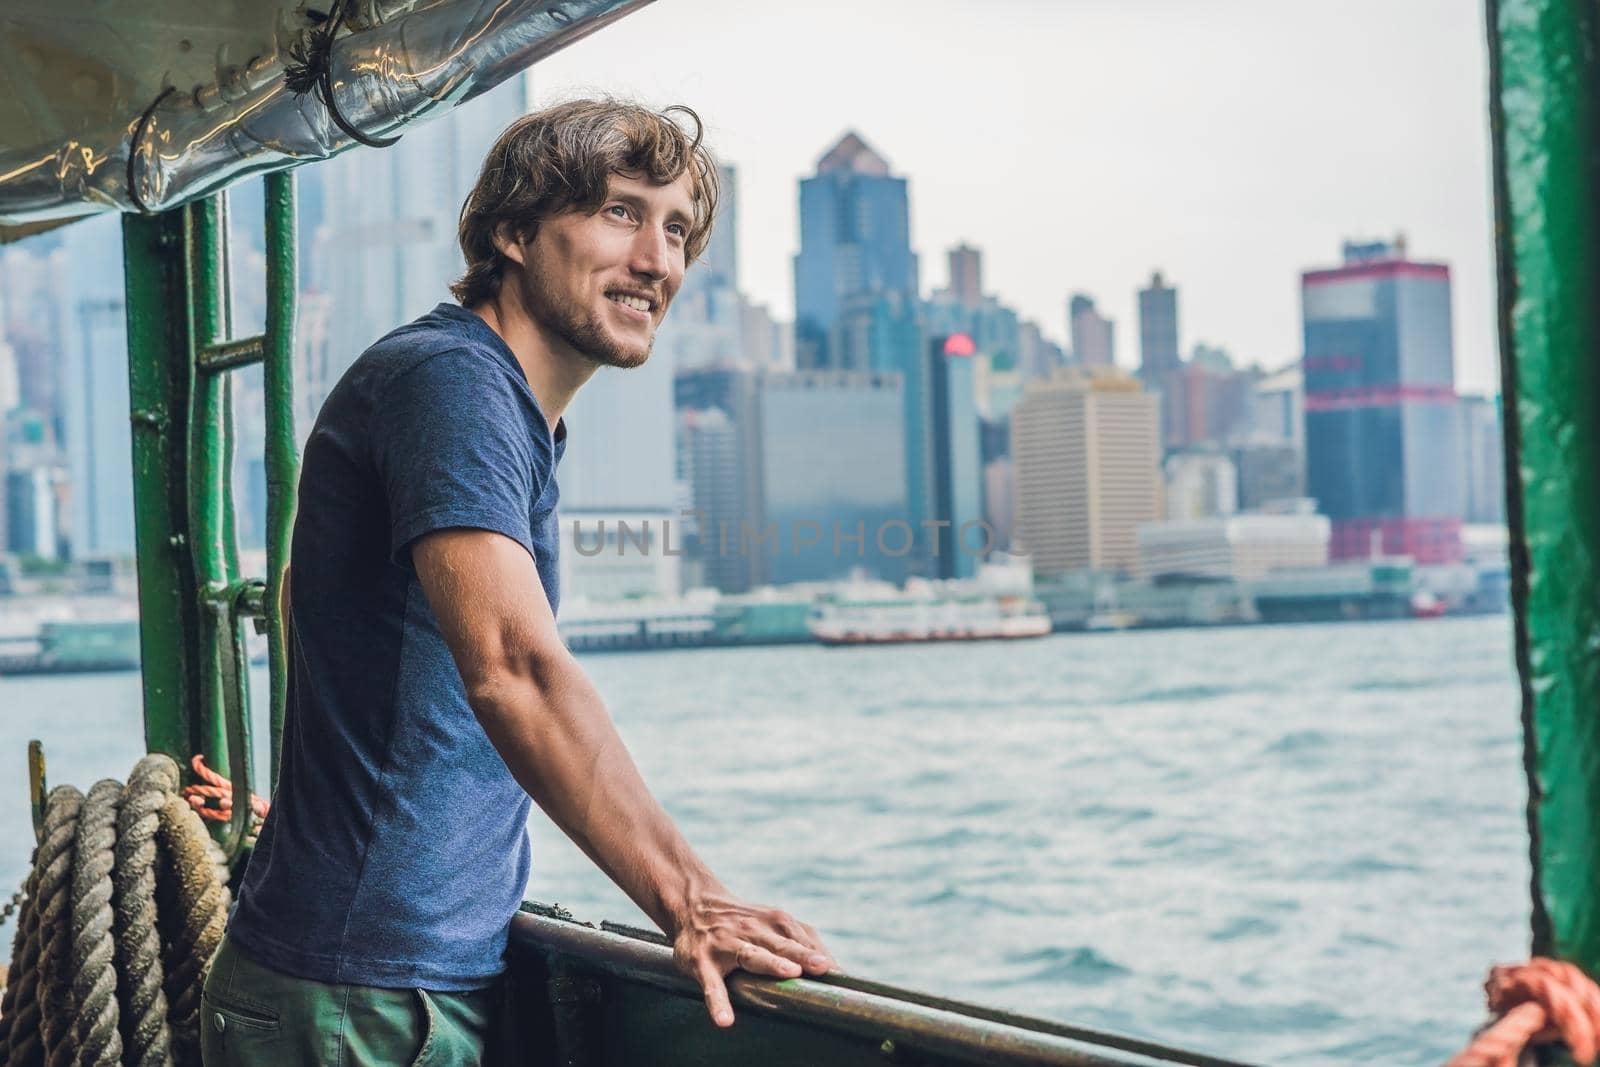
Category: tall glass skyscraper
[1382,431]
[833,499]
[957,459]
[94,389]
[855,243]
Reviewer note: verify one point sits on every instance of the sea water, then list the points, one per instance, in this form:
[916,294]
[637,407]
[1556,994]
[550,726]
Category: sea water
[1297,844]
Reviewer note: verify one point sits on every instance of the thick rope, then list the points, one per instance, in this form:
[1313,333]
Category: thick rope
[116,926]
[1539,1001]
[94,973]
[19,1009]
[55,910]
[193,909]
[144,1006]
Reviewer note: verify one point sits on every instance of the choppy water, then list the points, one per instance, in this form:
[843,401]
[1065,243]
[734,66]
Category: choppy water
[1296,845]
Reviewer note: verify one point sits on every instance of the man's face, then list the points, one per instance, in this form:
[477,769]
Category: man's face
[602,282]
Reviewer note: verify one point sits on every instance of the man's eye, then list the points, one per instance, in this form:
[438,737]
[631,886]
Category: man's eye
[678,230]
[620,210]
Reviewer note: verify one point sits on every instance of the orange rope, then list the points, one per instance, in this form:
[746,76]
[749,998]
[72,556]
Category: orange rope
[214,800]
[1541,1000]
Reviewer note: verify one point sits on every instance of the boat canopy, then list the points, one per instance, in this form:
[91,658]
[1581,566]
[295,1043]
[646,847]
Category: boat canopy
[112,107]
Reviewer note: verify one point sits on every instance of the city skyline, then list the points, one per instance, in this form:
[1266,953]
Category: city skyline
[1271,155]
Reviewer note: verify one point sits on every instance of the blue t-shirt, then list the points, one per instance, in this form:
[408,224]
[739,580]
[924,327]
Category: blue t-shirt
[396,850]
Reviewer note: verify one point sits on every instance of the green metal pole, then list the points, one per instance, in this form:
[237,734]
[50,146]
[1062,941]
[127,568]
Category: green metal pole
[282,455]
[161,379]
[1543,97]
[210,482]
[190,595]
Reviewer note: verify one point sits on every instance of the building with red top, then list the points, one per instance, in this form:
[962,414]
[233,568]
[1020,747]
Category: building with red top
[1382,455]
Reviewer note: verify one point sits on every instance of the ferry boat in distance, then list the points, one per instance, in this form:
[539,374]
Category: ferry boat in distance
[877,613]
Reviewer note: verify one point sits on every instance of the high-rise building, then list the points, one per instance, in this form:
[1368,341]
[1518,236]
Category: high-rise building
[1206,403]
[957,504]
[1484,447]
[764,343]
[720,262]
[855,245]
[999,502]
[1158,330]
[33,321]
[883,333]
[1038,357]
[966,275]
[718,438]
[94,389]
[1086,455]
[1383,458]
[30,512]
[832,477]
[1160,364]
[711,463]
[1093,336]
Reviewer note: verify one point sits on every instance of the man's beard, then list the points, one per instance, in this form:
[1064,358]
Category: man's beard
[581,329]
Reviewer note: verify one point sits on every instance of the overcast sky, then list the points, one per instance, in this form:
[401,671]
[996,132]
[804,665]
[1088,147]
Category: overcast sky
[1083,143]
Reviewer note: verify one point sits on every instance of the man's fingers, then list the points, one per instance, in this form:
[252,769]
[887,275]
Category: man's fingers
[757,960]
[805,955]
[807,935]
[716,994]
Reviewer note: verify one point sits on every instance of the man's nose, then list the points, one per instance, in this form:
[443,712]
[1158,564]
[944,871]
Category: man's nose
[652,255]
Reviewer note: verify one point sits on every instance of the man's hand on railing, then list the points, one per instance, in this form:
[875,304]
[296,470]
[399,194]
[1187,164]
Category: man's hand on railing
[720,934]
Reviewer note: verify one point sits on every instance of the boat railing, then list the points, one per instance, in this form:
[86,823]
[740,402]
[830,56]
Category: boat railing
[595,977]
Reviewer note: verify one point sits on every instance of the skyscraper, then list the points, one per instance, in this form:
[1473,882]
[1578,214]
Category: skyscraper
[717,427]
[1092,334]
[712,464]
[966,275]
[956,457]
[1160,364]
[94,389]
[30,515]
[1158,330]
[835,499]
[1484,447]
[1382,454]
[721,258]
[1086,454]
[855,245]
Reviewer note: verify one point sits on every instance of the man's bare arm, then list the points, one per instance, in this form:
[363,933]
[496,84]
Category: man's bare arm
[551,727]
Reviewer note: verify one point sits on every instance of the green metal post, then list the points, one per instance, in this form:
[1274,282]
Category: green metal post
[1545,86]
[282,456]
[161,379]
[190,592]
[210,481]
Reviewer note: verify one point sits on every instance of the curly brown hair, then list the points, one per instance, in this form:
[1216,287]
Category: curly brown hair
[561,159]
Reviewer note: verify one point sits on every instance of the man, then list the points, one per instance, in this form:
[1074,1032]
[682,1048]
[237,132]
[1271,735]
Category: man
[430,696]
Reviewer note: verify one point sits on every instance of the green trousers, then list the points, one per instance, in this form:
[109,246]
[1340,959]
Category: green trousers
[252,1016]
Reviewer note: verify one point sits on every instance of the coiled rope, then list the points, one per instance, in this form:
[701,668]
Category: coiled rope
[1539,1001]
[118,919]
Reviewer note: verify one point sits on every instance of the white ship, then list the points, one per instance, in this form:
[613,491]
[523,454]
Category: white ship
[877,615]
